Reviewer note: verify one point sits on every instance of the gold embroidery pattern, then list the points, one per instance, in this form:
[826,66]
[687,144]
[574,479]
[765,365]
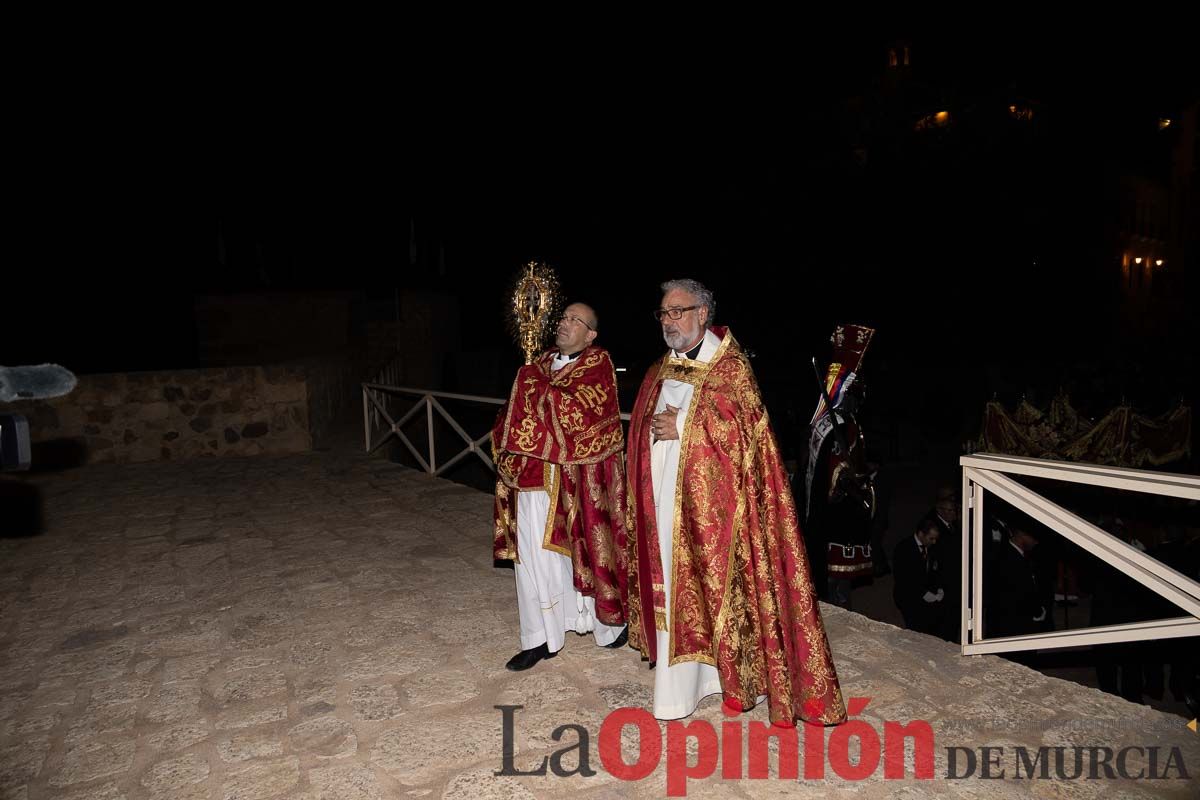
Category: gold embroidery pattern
[741,597]
[603,443]
[593,397]
[572,418]
[575,369]
[505,468]
[550,417]
[685,612]
[553,487]
[685,370]
[504,534]
[525,432]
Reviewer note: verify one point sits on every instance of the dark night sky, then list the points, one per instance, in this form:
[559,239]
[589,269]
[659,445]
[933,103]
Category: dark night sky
[622,166]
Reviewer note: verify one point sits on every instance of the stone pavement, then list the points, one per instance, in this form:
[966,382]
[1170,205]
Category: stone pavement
[332,626]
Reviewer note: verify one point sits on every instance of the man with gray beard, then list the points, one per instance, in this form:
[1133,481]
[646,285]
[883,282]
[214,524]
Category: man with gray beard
[720,594]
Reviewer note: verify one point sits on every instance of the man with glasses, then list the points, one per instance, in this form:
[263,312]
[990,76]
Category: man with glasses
[560,495]
[721,598]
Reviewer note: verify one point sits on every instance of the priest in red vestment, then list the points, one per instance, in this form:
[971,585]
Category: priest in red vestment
[720,594]
[560,494]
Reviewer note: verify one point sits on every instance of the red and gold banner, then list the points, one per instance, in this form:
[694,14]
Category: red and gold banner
[561,432]
[743,600]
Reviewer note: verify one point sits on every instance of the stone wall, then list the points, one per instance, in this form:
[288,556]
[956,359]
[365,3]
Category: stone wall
[149,416]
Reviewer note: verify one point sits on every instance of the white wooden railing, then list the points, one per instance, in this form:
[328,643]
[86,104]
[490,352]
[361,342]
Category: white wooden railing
[375,415]
[377,420]
[983,473]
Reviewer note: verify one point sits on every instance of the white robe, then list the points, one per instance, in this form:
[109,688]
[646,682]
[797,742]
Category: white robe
[547,601]
[677,689]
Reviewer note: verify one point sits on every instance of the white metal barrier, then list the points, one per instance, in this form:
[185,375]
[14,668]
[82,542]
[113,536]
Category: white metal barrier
[988,473]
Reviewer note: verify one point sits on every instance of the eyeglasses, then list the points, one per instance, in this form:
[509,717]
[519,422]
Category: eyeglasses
[573,320]
[673,313]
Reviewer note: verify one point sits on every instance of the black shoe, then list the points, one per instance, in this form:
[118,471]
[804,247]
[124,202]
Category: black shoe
[621,639]
[527,658]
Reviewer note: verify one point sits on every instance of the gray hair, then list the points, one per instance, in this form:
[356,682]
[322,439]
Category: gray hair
[703,295]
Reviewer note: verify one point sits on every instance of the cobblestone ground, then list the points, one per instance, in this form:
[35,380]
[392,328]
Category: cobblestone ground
[331,626]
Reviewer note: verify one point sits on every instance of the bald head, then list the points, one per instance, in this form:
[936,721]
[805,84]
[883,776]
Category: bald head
[586,313]
[577,328]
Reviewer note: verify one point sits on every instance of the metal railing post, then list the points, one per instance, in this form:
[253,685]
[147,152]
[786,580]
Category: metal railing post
[366,421]
[429,424]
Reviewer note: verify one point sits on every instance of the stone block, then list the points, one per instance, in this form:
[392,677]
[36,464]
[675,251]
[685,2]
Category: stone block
[254,430]
[290,392]
[89,761]
[262,779]
[176,774]
[98,415]
[155,411]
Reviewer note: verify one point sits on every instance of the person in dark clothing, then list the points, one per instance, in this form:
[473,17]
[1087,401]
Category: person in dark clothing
[917,591]
[1015,601]
[1179,655]
[1120,600]
[1134,670]
[816,543]
[947,515]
